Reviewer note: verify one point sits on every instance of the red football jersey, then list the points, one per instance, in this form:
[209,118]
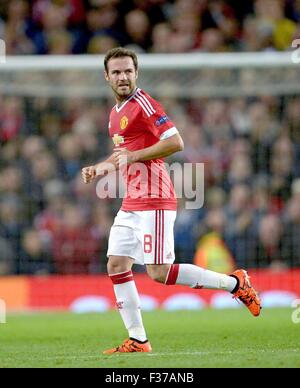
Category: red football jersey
[139,123]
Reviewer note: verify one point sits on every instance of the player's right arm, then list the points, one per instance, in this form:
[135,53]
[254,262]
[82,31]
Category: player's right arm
[99,169]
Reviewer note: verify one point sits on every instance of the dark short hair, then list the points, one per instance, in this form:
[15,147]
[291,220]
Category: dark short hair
[120,52]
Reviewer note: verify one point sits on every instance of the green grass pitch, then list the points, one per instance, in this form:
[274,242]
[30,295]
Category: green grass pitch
[209,338]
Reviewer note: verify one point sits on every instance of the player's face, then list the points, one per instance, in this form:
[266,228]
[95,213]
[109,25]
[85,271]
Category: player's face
[121,76]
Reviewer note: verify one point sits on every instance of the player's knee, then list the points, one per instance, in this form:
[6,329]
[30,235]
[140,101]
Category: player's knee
[156,277]
[117,265]
[158,273]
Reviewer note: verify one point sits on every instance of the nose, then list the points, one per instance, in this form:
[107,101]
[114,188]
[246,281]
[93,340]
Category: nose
[123,76]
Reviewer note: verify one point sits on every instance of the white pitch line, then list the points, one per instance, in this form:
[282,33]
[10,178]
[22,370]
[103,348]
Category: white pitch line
[220,353]
[170,354]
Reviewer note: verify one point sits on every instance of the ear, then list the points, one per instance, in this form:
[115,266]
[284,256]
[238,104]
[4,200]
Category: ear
[137,74]
[106,75]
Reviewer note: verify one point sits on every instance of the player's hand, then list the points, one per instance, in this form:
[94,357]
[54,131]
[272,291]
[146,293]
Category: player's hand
[89,174]
[123,157]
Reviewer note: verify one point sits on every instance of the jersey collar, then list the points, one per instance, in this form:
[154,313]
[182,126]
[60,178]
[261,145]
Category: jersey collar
[119,108]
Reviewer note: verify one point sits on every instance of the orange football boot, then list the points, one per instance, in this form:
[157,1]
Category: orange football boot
[130,346]
[246,293]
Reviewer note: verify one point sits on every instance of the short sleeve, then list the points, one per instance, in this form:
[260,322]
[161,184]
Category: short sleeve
[161,126]
[157,121]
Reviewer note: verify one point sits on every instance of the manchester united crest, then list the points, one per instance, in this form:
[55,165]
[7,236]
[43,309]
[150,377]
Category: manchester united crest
[124,123]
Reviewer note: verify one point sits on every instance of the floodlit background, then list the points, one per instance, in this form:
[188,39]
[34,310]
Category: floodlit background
[238,115]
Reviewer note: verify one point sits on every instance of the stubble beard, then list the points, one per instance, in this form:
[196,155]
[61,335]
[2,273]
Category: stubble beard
[124,95]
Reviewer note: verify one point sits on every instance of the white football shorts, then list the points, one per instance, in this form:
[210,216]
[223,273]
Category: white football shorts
[147,237]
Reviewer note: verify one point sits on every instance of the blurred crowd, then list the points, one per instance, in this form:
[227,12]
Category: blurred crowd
[154,26]
[50,222]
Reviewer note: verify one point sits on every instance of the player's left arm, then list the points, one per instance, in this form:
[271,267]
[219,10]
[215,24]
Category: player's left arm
[162,149]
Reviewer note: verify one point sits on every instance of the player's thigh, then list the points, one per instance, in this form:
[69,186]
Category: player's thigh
[122,246]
